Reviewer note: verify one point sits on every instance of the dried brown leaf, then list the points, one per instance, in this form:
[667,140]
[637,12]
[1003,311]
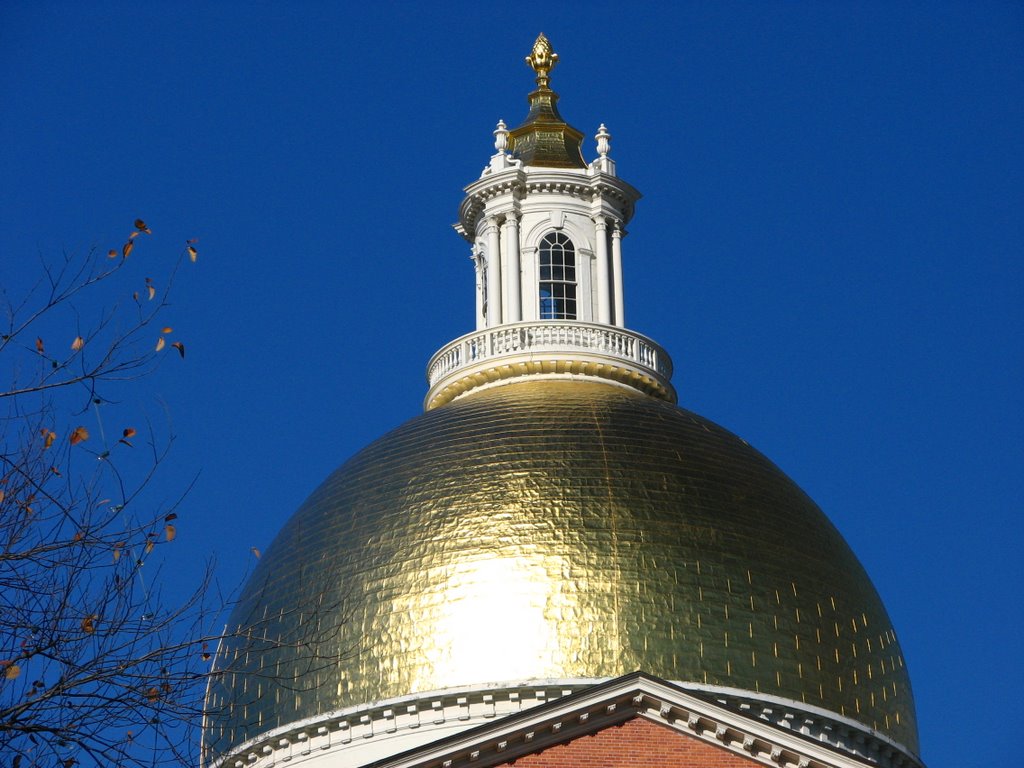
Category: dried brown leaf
[11,671]
[77,344]
[127,249]
[256,552]
[160,343]
[39,346]
[170,532]
[167,329]
[89,624]
[193,254]
[151,291]
[79,435]
[48,438]
[111,254]
[180,347]
[129,432]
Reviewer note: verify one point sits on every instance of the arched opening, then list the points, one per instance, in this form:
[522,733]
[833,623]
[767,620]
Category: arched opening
[557,277]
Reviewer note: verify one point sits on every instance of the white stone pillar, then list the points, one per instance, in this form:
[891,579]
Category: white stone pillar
[620,319]
[604,309]
[514,298]
[494,280]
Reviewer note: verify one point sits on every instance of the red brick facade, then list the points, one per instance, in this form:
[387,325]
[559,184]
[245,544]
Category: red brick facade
[637,743]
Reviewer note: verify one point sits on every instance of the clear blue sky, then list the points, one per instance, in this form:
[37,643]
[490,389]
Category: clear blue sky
[829,246]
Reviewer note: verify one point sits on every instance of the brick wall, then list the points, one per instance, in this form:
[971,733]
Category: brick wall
[635,744]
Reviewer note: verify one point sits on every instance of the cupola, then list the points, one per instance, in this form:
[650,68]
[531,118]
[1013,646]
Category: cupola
[545,231]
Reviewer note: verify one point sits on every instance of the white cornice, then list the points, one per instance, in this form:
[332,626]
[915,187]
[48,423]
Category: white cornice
[489,725]
[522,182]
[635,695]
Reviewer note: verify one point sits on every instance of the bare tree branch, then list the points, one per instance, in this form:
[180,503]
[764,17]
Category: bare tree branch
[96,667]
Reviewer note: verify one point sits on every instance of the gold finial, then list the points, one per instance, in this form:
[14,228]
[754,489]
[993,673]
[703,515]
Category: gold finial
[542,59]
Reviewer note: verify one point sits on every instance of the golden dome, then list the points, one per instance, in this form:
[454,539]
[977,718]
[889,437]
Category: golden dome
[557,531]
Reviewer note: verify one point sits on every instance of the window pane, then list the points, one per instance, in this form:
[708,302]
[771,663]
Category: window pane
[557,277]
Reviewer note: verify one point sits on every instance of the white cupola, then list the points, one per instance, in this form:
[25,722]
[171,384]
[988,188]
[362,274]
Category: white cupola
[546,230]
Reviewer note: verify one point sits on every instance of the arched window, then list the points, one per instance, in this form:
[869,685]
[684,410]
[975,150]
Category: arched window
[557,277]
[481,271]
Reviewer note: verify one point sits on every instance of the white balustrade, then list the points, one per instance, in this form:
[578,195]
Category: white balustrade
[549,336]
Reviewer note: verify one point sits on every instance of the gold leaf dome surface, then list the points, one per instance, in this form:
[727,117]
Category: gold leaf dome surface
[550,531]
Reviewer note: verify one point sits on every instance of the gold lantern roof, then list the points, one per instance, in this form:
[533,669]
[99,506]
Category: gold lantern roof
[545,139]
[557,530]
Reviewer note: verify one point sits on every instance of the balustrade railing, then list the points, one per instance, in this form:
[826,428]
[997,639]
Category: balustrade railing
[552,336]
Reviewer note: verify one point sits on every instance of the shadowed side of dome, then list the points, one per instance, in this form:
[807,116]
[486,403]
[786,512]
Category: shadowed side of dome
[557,531]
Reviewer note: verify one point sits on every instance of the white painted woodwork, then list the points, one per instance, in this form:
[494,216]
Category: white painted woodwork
[620,311]
[505,215]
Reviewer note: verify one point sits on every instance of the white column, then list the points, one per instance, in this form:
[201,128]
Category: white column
[514,298]
[493,274]
[620,319]
[604,310]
